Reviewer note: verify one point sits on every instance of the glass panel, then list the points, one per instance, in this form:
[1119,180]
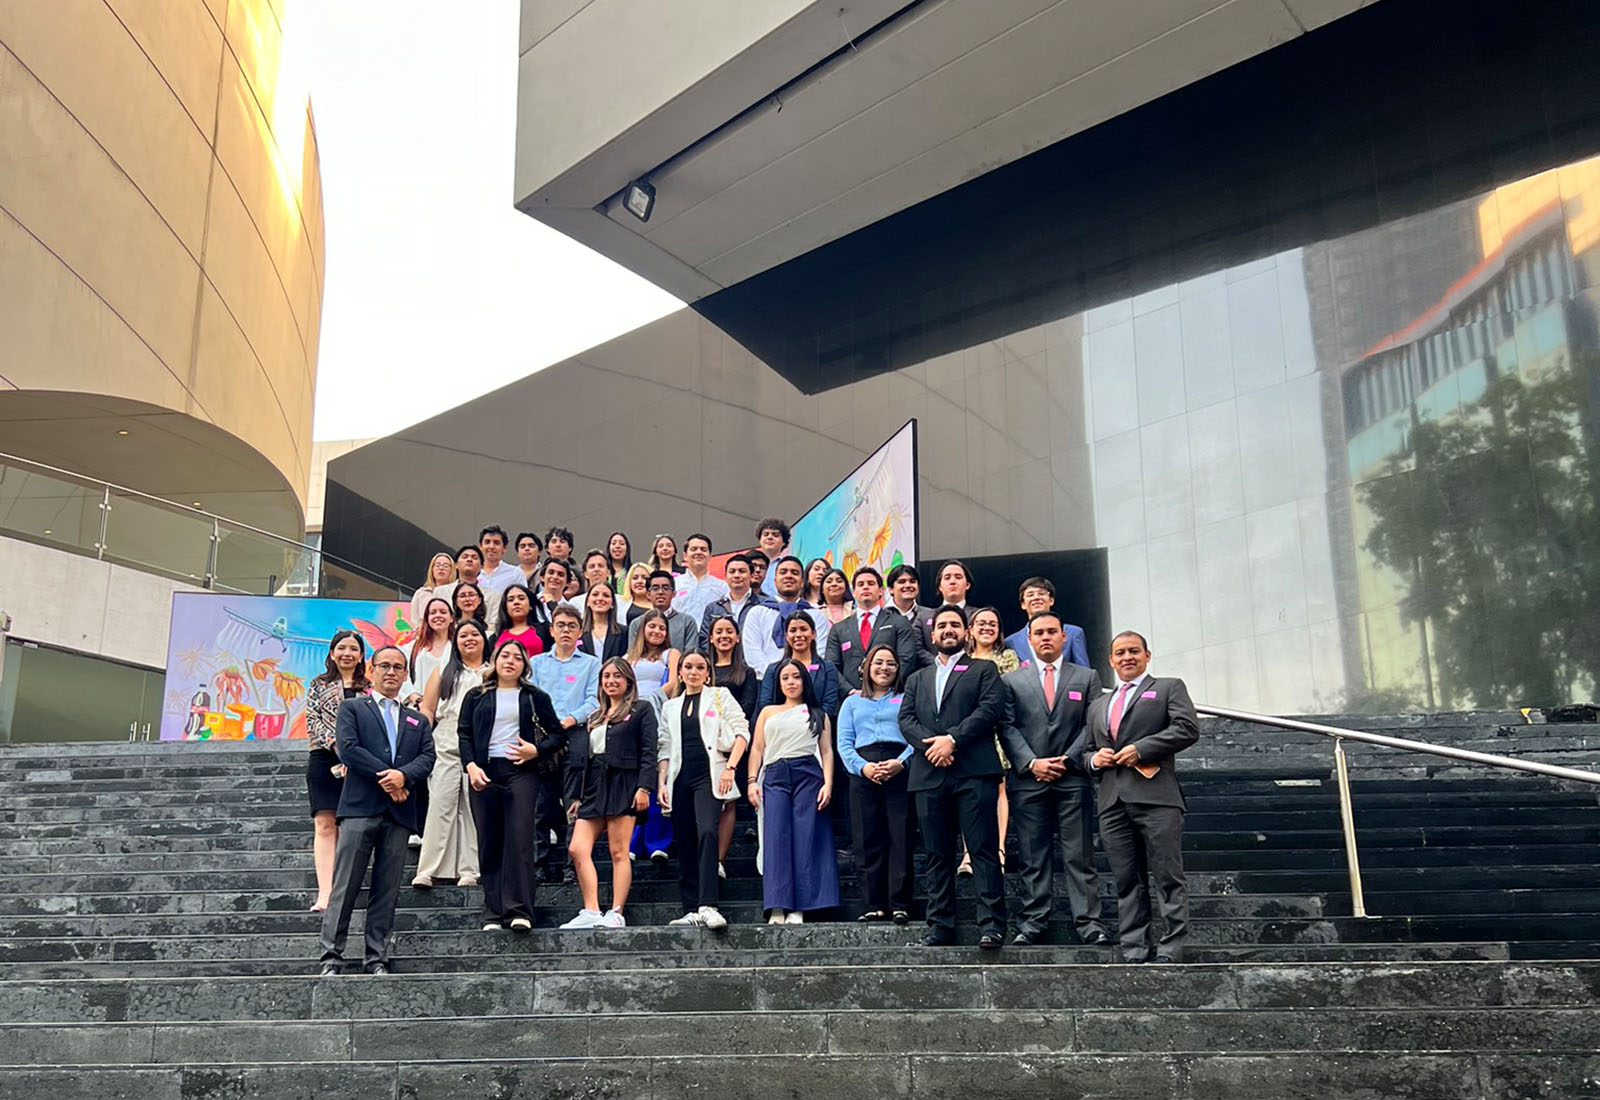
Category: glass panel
[56,696]
[160,539]
[38,507]
[256,564]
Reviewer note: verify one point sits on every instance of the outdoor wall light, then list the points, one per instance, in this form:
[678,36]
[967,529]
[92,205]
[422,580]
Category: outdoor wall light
[640,199]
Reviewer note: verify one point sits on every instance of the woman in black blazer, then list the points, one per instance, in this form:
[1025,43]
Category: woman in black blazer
[509,735]
[600,616]
[611,771]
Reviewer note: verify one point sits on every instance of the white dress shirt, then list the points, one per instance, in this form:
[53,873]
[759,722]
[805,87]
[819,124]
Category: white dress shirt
[942,669]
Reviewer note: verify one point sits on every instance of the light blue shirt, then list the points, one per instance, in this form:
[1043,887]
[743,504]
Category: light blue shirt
[572,684]
[864,722]
[941,675]
[694,596]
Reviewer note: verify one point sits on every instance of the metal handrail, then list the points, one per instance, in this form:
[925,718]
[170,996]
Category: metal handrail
[108,487]
[1339,735]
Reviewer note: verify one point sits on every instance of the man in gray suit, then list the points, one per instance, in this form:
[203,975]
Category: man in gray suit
[1134,735]
[871,625]
[1047,700]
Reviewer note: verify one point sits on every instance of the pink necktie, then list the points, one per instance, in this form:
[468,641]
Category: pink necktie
[1116,709]
[1050,688]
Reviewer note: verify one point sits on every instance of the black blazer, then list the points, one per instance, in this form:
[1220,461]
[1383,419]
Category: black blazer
[845,651]
[921,618]
[616,644]
[974,708]
[1161,720]
[364,751]
[477,724]
[630,746]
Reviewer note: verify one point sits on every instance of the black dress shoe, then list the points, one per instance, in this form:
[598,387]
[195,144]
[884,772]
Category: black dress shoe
[332,966]
[1164,959]
[1135,960]
[1024,939]
[902,917]
[871,916]
[991,941]
[378,969]
[938,937]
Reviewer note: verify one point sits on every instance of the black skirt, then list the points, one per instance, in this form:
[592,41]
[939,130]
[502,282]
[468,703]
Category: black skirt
[607,791]
[321,784]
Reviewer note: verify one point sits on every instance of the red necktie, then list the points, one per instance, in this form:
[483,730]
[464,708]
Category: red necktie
[866,631]
[1116,709]
[1050,688]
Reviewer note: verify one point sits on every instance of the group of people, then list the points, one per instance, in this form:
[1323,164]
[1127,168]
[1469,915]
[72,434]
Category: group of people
[549,702]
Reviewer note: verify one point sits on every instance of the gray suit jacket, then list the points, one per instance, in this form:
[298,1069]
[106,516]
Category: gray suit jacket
[1032,730]
[845,652]
[1161,719]
[921,618]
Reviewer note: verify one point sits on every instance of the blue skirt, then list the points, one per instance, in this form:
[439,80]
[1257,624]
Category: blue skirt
[800,871]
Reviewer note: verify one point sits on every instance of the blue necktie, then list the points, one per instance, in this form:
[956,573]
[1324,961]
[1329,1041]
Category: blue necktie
[390,725]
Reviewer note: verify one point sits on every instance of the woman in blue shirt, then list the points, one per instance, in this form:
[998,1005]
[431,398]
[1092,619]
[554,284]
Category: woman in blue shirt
[875,753]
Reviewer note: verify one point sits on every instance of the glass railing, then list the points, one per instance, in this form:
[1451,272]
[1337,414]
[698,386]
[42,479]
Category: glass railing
[53,507]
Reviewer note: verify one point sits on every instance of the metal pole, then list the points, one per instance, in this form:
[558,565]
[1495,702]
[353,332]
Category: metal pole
[1347,818]
[105,515]
[211,557]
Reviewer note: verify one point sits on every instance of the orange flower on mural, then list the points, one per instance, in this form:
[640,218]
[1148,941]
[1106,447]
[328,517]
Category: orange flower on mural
[263,668]
[288,687]
[230,684]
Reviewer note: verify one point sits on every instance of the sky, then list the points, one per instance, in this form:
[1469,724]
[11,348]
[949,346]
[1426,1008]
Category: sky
[437,289]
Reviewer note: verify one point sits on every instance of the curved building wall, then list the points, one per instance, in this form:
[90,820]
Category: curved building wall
[161,249]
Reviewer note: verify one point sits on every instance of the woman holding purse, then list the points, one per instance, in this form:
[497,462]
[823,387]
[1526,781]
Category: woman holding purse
[705,735]
[508,733]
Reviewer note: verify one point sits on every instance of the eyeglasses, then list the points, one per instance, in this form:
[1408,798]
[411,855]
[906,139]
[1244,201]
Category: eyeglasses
[565,624]
[389,666]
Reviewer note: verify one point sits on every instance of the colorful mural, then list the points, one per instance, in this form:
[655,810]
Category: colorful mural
[238,666]
[870,518]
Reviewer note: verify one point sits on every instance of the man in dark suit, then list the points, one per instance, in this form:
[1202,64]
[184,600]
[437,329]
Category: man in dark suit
[1134,735]
[387,750]
[950,714]
[904,589]
[1047,700]
[850,638]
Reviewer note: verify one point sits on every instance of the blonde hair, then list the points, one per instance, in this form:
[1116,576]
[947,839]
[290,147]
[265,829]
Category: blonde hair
[428,581]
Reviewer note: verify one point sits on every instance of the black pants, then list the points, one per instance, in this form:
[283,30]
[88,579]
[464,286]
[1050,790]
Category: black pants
[880,820]
[551,817]
[504,813]
[381,841]
[1144,843]
[696,812]
[964,805]
[1042,812]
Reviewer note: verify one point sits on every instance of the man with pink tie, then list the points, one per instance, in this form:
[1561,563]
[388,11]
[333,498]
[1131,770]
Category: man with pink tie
[1135,733]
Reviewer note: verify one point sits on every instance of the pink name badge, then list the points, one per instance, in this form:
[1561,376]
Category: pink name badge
[1148,695]
[959,668]
[898,699]
[572,679]
[410,721]
[1025,664]
[712,713]
[1075,696]
[844,646]
[813,668]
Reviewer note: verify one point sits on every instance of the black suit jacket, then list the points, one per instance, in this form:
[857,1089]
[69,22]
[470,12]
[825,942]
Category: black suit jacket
[631,744]
[476,725]
[921,618]
[364,751]
[974,706]
[616,644]
[1161,720]
[845,651]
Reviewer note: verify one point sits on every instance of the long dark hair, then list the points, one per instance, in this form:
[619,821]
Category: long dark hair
[636,651]
[627,554]
[612,625]
[866,674]
[482,614]
[425,637]
[737,669]
[493,675]
[800,614]
[604,711]
[806,591]
[808,694]
[822,600]
[505,616]
[453,668]
[332,674]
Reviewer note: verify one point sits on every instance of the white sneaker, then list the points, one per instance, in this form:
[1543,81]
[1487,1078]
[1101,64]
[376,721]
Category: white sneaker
[422,882]
[659,856]
[414,841]
[722,872]
[712,918]
[613,919]
[586,918]
[466,881]
[633,857]
[493,926]
[694,918]
[521,924]
[777,917]
[795,918]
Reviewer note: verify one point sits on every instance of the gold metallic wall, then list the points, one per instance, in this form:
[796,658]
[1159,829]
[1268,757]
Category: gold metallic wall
[161,249]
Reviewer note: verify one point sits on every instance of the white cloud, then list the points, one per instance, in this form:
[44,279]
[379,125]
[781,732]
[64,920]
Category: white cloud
[437,289]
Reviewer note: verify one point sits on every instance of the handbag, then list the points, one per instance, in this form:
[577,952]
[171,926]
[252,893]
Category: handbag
[725,737]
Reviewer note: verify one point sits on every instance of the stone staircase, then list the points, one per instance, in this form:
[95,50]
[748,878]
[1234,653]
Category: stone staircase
[154,943]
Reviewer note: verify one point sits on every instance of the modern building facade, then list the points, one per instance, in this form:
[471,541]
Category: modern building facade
[161,263]
[1304,342]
